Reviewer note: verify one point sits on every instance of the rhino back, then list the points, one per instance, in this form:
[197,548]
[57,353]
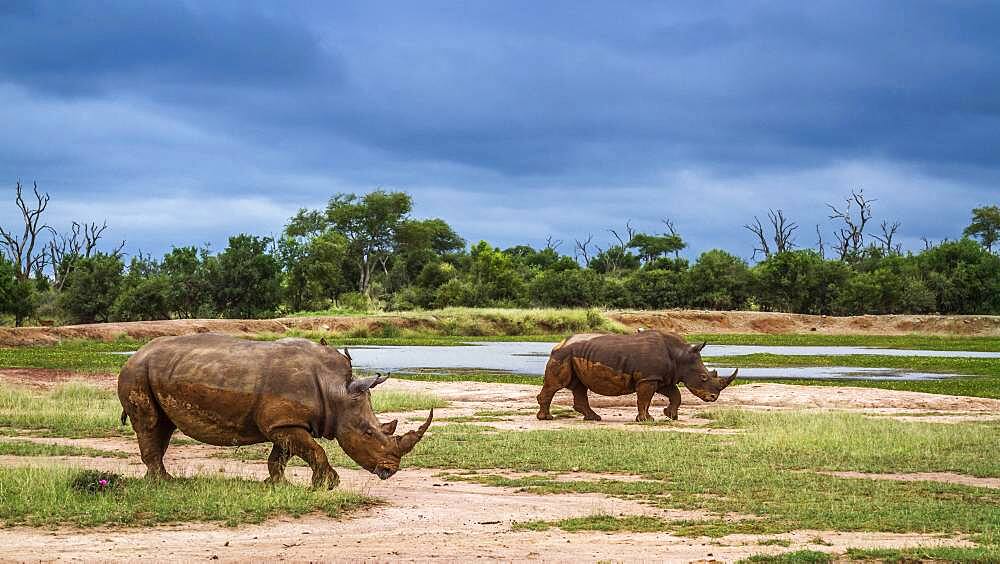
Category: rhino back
[223,390]
[613,364]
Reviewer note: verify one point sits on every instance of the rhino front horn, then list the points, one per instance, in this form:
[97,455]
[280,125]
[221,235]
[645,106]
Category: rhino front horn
[411,438]
[363,385]
[732,376]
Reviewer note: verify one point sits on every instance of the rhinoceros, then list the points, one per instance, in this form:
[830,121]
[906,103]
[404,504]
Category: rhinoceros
[226,391]
[644,363]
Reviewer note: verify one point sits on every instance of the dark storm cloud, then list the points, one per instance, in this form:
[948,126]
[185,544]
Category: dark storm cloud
[513,120]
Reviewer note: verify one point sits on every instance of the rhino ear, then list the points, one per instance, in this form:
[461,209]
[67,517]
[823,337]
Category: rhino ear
[365,384]
[390,427]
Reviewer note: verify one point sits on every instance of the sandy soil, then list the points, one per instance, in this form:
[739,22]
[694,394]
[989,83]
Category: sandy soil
[429,518]
[683,321]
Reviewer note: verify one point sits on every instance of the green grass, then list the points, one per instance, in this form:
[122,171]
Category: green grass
[45,496]
[605,523]
[764,471]
[31,448]
[986,382]
[82,410]
[797,557]
[70,410]
[81,356]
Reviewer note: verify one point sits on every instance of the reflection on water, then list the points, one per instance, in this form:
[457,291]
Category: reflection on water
[530,358]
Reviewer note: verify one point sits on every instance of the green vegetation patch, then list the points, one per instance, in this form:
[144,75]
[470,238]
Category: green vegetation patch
[53,496]
[76,355]
[797,557]
[31,448]
[393,401]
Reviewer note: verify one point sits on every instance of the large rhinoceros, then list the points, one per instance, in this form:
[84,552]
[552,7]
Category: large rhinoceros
[616,365]
[226,391]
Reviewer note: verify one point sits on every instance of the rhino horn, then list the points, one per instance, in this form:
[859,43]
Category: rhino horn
[363,385]
[697,348]
[411,438]
[732,376]
[390,427]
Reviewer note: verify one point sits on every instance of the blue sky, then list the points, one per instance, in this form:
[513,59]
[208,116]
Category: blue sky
[185,122]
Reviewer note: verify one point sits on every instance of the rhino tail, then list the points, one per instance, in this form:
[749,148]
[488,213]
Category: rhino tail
[124,417]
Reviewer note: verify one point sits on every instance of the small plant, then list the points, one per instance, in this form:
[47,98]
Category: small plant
[96,481]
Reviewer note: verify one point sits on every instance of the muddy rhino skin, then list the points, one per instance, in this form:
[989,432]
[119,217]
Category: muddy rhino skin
[643,363]
[226,391]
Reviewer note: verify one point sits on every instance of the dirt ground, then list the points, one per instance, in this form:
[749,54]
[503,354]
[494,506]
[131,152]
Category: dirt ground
[683,321]
[429,518]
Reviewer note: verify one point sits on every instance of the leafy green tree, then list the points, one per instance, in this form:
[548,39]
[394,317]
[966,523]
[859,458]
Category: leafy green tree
[246,278]
[719,280]
[189,290]
[369,223]
[614,259]
[799,282]
[314,269]
[651,247]
[145,292]
[494,279]
[964,277]
[985,226]
[657,289]
[92,287]
[567,288]
[17,297]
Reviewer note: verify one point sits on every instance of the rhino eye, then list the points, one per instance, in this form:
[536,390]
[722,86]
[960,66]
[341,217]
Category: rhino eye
[704,378]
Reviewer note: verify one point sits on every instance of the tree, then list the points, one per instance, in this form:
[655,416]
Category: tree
[314,269]
[92,287]
[781,228]
[246,278]
[189,290]
[985,226]
[145,292]
[17,297]
[652,247]
[855,215]
[719,280]
[370,224]
[26,251]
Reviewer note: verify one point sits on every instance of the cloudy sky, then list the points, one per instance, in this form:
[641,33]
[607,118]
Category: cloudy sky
[185,122]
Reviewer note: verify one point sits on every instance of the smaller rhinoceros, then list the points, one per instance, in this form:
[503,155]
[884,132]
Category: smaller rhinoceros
[643,363]
[226,391]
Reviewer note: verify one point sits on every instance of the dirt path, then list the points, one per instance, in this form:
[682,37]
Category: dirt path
[683,321]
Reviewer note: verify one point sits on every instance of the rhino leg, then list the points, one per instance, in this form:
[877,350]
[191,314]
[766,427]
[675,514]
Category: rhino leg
[298,442]
[580,401]
[153,443]
[557,377]
[644,395]
[674,394]
[276,464]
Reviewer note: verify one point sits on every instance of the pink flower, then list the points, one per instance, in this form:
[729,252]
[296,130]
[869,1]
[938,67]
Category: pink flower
[102,483]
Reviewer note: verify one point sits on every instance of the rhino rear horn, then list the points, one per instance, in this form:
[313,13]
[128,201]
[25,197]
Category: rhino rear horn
[347,353]
[363,385]
[411,438]
[390,427]
[697,348]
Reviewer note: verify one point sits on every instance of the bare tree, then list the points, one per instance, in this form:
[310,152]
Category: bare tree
[885,239]
[855,216]
[629,235]
[672,231]
[927,243]
[819,242]
[758,229]
[783,230]
[552,244]
[581,249]
[21,249]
